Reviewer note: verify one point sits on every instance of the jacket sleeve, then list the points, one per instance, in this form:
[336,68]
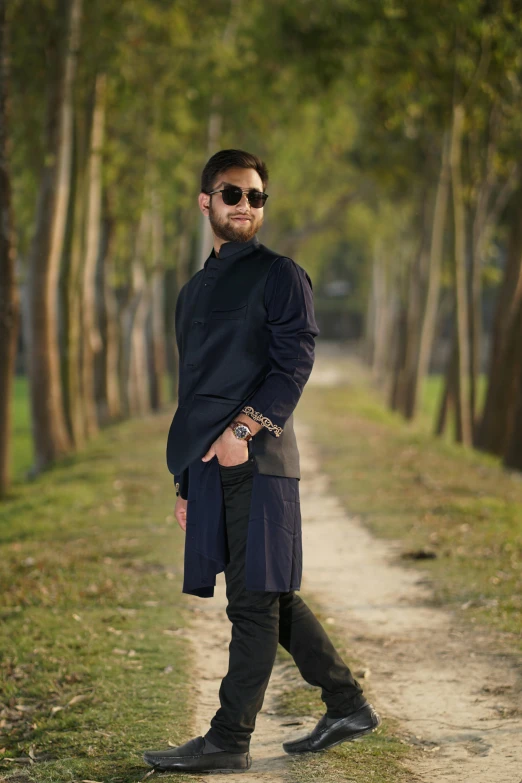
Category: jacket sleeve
[181,479]
[293,329]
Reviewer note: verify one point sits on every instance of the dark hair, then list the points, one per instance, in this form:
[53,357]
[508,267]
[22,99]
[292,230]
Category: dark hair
[227,159]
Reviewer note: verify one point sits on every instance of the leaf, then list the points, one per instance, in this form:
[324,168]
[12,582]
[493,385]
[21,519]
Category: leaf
[77,699]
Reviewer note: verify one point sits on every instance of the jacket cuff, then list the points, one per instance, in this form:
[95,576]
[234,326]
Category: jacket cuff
[273,428]
[181,484]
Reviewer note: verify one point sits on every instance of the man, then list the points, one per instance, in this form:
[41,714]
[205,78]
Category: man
[245,330]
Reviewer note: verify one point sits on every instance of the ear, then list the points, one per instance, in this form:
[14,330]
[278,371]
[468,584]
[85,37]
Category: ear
[204,203]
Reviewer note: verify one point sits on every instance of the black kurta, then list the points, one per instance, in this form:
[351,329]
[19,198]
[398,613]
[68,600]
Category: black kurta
[274,550]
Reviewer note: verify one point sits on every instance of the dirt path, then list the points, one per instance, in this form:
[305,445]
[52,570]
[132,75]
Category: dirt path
[453,695]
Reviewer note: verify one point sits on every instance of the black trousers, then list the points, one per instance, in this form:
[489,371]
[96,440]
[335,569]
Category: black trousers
[261,621]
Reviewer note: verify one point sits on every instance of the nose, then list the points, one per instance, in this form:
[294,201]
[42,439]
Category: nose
[244,203]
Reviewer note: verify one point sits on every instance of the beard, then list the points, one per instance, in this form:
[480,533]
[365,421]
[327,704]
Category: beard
[225,229]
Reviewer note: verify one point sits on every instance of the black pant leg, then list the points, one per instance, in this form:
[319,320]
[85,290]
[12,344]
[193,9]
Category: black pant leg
[303,636]
[255,625]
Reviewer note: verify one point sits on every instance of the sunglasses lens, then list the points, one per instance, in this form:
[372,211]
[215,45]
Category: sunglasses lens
[256,199]
[231,196]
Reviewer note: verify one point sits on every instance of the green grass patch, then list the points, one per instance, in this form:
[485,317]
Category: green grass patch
[430,494]
[94,666]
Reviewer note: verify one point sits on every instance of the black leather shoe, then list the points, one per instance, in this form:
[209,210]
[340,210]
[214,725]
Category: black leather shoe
[190,758]
[357,724]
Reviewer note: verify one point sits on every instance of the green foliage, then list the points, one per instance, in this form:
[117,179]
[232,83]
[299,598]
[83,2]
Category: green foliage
[346,100]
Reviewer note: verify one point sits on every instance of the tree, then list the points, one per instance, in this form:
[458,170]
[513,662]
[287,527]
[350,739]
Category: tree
[9,304]
[51,437]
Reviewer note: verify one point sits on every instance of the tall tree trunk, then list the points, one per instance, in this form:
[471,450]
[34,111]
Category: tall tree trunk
[417,288]
[9,301]
[71,290]
[109,394]
[448,398]
[438,231]
[135,375]
[51,437]
[398,352]
[91,343]
[494,434]
[139,392]
[461,285]
[157,353]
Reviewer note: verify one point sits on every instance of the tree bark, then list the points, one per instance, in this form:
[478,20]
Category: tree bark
[448,398]
[438,231]
[9,300]
[91,340]
[135,374]
[71,290]
[51,437]
[109,398]
[461,285]
[503,377]
[157,352]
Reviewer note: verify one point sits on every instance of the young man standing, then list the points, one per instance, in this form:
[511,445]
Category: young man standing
[245,329]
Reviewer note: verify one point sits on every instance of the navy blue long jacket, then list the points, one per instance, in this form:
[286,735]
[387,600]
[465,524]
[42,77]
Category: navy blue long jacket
[274,547]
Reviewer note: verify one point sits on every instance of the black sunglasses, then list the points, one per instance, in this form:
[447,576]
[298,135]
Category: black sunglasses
[231,195]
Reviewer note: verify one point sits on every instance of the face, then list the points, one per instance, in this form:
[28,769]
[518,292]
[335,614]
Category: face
[240,222]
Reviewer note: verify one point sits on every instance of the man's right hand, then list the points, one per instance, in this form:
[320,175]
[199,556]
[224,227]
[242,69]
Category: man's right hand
[180,512]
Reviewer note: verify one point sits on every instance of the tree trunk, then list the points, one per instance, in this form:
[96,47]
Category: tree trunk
[503,379]
[51,437]
[157,352]
[513,454]
[398,352]
[448,399]
[139,393]
[71,291]
[417,287]
[9,301]
[438,231]
[91,340]
[461,285]
[135,375]
[109,394]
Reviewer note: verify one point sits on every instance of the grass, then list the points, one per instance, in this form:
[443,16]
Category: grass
[94,667]
[430,494]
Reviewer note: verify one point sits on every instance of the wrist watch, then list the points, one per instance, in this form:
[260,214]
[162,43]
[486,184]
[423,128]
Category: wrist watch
[241,430]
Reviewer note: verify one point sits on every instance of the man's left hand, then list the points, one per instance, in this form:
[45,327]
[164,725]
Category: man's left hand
[228,449]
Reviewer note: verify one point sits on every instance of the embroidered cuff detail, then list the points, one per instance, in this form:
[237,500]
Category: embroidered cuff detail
[264,420]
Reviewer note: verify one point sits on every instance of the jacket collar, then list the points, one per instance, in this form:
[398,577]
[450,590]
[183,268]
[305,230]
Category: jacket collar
[234,250]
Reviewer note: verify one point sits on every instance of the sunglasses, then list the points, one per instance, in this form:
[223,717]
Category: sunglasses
[231,195]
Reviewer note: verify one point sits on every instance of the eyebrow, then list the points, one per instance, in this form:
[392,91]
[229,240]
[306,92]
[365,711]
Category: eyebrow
[231,184]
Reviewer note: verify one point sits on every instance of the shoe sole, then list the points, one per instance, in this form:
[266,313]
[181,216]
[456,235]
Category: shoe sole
[357,736]
[162,768]
[157,768]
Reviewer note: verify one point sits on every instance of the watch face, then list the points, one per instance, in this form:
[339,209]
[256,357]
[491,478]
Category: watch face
[241,431]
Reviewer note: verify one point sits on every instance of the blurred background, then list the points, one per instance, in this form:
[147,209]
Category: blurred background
[392,132]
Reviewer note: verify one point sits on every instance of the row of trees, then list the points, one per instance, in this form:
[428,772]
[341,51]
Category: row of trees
[391,128]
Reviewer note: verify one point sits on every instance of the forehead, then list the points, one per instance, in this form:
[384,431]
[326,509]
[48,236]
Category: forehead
[243,178]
